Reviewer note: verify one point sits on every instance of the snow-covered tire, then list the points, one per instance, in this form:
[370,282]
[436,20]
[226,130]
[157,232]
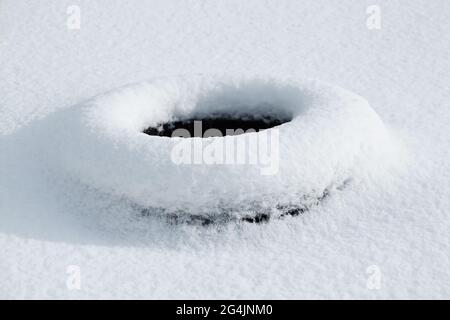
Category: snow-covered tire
[332,135]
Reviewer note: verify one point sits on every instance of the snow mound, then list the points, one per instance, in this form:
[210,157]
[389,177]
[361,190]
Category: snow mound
[324,136]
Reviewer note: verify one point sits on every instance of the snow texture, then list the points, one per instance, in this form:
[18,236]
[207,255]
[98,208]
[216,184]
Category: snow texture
[385,235]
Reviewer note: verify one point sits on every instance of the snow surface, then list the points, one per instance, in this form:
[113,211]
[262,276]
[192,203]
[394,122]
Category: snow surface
[399,224]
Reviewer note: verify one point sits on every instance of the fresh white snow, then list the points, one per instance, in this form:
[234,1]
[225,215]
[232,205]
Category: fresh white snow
[383,236]
[332,136]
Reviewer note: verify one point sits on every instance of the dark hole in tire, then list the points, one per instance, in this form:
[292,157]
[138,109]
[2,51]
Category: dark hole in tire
[223,125]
